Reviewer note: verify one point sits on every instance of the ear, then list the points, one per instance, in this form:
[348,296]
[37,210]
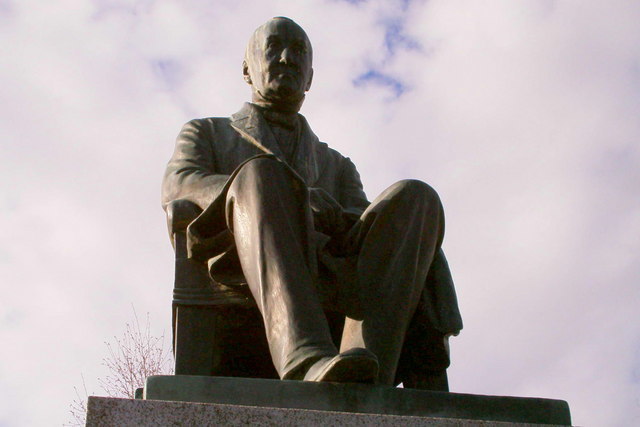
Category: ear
[245,72]
[309,82]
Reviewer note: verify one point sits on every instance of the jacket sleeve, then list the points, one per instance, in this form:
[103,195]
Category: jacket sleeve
[352,196]
[191,172]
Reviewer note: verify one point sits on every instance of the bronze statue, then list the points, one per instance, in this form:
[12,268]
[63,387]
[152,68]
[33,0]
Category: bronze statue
[286,215]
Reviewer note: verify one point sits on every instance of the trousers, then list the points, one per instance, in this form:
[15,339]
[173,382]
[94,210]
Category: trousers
[383,262]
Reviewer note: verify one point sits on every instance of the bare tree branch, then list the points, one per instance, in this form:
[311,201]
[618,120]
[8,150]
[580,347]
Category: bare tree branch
[131,358]
[78,407]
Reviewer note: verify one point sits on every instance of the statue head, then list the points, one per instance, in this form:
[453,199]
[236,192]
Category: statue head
[277,65]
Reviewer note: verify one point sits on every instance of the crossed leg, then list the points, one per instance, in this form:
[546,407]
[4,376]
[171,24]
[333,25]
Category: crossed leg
[268,212]
[394,244]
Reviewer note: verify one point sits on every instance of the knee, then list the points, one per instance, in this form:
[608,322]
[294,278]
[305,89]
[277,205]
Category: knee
[263,167]
[262,177]
[415,190]
[261,172]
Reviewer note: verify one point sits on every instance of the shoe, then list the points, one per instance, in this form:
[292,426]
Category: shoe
[357,365]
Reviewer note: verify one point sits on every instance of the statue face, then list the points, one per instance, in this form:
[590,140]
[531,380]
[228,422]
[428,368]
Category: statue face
[278,63]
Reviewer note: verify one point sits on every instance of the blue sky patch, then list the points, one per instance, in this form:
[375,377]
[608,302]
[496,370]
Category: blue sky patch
[394,37]
[375,77]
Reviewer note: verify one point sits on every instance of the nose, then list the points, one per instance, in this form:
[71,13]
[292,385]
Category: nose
[287,56]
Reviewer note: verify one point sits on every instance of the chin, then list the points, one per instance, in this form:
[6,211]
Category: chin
[286,94]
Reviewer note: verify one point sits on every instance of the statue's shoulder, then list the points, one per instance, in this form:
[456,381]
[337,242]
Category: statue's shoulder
[330,159]
[209,121]
[328,151]
[207,127]
[320,148]
[222,124]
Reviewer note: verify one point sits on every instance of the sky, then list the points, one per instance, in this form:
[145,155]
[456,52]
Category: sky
[522,114]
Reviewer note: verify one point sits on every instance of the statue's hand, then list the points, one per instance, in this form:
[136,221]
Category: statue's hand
[327,212]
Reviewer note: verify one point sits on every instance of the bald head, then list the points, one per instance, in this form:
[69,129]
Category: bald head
[278,64]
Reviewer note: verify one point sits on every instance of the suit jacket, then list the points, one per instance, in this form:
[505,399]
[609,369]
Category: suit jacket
[207,153]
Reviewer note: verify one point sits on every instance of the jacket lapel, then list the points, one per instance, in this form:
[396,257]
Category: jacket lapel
[253,128]
[305,161]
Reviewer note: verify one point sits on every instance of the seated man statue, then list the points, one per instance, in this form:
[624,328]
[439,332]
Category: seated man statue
[286,215]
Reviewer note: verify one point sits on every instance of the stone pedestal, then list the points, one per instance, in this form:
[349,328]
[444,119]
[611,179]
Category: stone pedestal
[195,400]
[106,411]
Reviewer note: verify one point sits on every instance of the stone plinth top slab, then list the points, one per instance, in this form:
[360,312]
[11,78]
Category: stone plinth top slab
[355,398]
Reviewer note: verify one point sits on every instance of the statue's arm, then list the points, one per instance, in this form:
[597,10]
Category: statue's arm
[340,202]
[191,173]
[352,196]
